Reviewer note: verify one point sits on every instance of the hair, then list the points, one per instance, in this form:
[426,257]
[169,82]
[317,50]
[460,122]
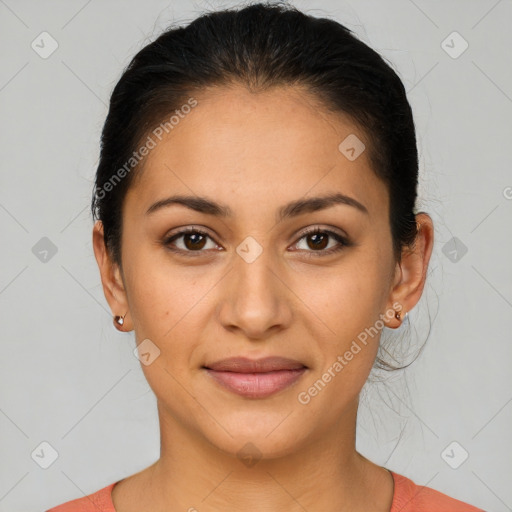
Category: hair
[261,46]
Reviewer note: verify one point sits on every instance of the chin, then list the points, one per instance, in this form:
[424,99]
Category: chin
[255,434]
[250,449]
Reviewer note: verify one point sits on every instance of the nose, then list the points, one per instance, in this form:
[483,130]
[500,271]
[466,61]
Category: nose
[255,299]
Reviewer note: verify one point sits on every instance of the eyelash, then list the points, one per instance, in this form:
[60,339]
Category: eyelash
[340,239]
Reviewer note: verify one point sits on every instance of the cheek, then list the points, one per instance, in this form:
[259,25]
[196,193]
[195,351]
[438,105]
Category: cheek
[168,308]
[346,299]
[162,296]
[343,309]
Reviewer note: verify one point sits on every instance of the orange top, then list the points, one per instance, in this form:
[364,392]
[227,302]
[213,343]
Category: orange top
[407,497]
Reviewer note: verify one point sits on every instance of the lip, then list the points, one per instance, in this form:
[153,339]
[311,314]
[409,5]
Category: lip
[255,378]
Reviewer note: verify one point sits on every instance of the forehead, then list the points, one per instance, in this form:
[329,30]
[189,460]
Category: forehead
[251,143]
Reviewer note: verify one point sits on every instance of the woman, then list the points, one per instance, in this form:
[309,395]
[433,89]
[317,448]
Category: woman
[256,229]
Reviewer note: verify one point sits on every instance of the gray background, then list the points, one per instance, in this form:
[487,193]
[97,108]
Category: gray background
[70,379]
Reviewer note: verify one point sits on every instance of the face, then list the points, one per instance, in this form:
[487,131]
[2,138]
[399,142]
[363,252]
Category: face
[250,280]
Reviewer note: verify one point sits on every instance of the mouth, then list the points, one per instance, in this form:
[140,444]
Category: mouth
[255,378]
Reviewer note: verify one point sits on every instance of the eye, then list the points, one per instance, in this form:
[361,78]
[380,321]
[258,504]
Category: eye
[193,240]
[317,239]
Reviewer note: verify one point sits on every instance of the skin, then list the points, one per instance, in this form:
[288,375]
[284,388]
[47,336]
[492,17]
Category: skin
[235,148]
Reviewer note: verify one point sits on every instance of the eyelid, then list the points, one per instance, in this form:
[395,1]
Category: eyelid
[322,229]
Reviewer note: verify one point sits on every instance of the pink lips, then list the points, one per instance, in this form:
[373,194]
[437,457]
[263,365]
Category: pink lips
[255,378]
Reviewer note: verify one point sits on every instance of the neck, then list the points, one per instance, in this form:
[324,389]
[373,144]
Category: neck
[326,473]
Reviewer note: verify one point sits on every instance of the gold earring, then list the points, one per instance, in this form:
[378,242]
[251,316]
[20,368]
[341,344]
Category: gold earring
[398,315]
[119,322]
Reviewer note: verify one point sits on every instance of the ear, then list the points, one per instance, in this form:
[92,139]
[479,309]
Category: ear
[111,278]
[411,273]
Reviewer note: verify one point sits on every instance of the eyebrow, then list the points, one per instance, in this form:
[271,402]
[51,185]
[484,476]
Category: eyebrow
[292,209]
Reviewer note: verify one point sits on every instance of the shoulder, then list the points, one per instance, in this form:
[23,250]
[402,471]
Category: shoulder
[99,501]
[409,497]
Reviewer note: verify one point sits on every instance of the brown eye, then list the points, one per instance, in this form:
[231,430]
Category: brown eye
[189,241]
[194,241]
[318,241]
